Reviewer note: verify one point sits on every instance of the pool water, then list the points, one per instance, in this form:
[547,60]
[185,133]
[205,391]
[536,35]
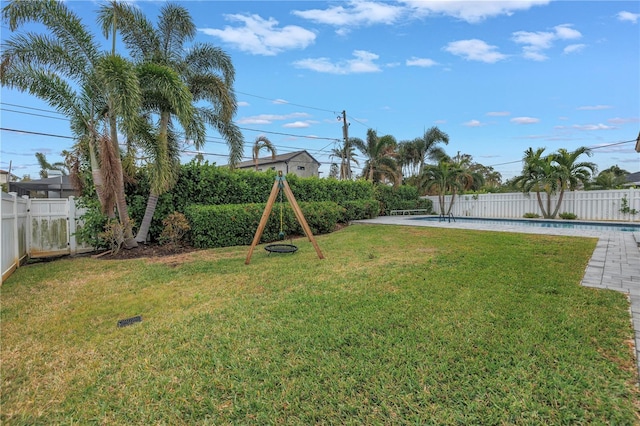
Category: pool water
[542,223]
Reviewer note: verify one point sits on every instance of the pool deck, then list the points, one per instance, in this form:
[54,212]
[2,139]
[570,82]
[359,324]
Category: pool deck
[614,264]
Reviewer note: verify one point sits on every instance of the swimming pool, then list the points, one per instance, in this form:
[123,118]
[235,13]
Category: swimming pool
[541,223]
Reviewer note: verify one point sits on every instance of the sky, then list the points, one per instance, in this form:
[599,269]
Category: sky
[498,77]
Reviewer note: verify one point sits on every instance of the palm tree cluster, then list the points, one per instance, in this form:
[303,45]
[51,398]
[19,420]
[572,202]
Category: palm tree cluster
[554,173]
[149,97]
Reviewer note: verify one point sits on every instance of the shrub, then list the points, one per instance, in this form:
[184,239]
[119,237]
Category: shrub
[176,227]
[401,198]
[360,209]
[236,224]
[531,216]
[113,235]
[92,223]
[568,216]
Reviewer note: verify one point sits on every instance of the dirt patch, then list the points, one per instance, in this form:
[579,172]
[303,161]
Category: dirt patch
[144,251]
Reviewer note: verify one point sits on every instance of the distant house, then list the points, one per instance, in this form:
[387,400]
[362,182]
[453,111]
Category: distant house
[300,163]
[6,178]
[51,187]
[632,179]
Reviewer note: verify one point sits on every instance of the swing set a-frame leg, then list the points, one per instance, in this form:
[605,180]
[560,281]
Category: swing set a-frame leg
[281,180]
[263,220]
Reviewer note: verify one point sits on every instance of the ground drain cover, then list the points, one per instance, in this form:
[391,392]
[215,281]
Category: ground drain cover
[129,321]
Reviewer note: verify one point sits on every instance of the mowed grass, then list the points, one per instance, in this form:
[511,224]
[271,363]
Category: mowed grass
[397,325]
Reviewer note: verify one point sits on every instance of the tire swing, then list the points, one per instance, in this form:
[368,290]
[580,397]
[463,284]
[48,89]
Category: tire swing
[280,185]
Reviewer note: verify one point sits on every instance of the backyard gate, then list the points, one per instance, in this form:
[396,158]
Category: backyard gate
[38,228]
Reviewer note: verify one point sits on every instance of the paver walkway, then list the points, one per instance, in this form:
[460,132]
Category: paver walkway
[614,265]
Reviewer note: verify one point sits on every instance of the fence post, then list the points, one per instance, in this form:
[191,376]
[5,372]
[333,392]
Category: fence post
[16,240]
[71,228]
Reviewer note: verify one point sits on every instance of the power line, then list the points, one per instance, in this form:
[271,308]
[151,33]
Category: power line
[286,102]
[33,114]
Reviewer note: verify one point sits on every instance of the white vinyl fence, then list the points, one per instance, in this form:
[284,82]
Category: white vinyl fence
[587,205]
[39,227]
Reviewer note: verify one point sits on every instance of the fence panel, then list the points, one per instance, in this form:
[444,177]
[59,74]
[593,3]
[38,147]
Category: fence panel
[13,233]
[49,227]
[587,205]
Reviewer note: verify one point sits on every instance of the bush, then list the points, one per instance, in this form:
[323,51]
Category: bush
[360,209]
[92,223]
[176,227]
[236,224]
[568,216]
[401,198]
[531,216]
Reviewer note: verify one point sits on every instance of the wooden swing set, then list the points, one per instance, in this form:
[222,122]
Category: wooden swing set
[280,185]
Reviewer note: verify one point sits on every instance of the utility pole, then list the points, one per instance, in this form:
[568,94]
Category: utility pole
[345,134]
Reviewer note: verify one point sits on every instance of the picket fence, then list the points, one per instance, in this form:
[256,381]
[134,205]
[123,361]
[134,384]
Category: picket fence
[36,228]
[587,205]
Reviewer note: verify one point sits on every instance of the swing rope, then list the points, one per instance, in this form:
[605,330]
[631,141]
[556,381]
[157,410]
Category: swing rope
[281,234]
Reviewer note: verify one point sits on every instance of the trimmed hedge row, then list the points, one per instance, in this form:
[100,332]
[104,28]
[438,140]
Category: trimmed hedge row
[402,198]
[236,224]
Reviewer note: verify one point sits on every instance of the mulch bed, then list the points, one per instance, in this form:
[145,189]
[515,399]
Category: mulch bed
[148,250]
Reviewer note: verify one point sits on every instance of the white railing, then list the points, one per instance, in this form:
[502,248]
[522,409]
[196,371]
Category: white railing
[587,205]
[39,227]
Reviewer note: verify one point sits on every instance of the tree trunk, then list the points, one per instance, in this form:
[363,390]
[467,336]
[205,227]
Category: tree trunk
[453,195]
[121,200]
[105,199]
[541,204]
[555,212]
[152,202]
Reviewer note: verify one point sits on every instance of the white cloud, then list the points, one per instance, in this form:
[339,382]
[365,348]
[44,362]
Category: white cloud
[260,36]
[420,62]
[619,120]
[475,50]
[471,11]
[573,48]
[270,118]
[243,104]
[594,107]
[628,16]
[536,42]
[440,122]
[280,101]
[297,125]
[524,120]
[363,63]
[593,127]
[498,113]
[473,123]
[354,14]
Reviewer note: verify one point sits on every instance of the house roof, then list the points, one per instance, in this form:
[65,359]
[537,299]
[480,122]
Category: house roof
[57,183]
[281,158]
[633,178]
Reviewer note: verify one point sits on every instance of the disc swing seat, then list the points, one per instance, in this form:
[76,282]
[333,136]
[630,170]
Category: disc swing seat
[279,186]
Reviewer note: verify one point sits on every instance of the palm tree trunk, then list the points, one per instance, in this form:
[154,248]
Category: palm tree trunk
[541,204]
[106,201]
[555,212]
[121,200]
[152,202]
[453,195]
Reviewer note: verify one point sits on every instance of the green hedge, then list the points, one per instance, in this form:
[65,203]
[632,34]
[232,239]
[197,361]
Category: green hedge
[360,209]
[402,198]
[236,224]
[207,184]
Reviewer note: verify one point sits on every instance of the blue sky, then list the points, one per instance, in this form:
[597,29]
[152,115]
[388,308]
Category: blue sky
[498,77]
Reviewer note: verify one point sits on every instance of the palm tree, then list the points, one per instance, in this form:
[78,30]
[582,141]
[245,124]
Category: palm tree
[426,147]
[207,73]
[45,166]
[611,178]
[67,70]
[444,178]
[380,154]
[347,154]
[553,173]
[262,142]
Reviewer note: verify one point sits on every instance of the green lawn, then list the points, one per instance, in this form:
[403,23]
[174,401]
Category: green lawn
[397,325]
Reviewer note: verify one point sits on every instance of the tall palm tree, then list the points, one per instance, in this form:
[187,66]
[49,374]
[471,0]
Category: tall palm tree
[347,154]
[262,142]
[205,70]
[571,172]
[444,178]
[67,70]
[380,157]
[426,147]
